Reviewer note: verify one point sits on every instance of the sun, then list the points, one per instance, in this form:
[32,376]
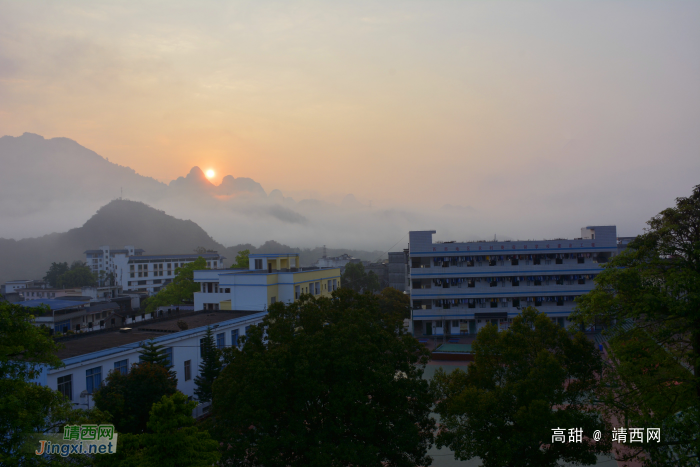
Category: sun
[210,173]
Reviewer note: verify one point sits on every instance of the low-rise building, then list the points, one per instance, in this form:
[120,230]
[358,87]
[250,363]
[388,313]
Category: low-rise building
[87,360]
[333,261]
[270,278]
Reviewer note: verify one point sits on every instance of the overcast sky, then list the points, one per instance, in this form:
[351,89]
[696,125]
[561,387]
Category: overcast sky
[545,116]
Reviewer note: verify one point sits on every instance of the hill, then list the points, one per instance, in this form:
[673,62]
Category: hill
[118,223]
[123,222]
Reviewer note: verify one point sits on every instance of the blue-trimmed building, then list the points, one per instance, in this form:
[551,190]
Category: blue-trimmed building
[457,288]
[88,360]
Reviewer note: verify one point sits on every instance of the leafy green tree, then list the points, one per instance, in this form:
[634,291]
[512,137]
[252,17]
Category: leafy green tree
[354,277]
[173,427]
[173,439]
[209,369]
[128,398]
[395,302]
[79,275]
[55,271]
[25,350]
[524,382]
[180,290]
[654,376]
[371,283]
[241,260]
[337,382]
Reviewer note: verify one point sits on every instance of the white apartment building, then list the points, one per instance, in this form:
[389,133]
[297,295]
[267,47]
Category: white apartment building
[107,260]
[88,360]
[270,278]
[457,288]
[135,272]
[152,273]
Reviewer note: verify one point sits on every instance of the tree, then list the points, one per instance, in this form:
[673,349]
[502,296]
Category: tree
[371,284]
[396,302]
[173,426]
[241,260]
[26,350]
[173,441]
[181,289]
[337,382]
[524,382]
[155,353]
[55,271]
[652,292]
[79,275]
[128,398]
[209,369]
[356,278]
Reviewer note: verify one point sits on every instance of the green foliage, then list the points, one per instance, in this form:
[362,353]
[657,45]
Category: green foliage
[180,290]
[209,369]
[337,383]
[26,407]
[55,271]
[395,302]
[524,381]
[242,260]
[654,286]
[79,275]
[173,440]
[128,398]
[356,278]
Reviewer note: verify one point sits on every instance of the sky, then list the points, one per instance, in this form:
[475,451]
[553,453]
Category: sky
[541,117]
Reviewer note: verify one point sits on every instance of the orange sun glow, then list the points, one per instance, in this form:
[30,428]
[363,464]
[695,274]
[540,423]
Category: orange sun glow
[210,173]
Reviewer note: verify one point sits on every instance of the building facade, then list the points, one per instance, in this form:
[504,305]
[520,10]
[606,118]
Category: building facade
[105,261]
[457,288]
[151,273]
[270,278]
[87,361]
[398,275]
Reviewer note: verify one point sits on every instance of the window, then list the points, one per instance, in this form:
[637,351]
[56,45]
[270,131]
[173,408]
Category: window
[65,386]
[334,283]
[131,267]
[258,264]
[273,300]
[220,340]
[93,379]
[234,338]
[318,288]
[168,351]
[208,264]
[188,370]
[296,291]
[122,366]
[329,285]
[246,330]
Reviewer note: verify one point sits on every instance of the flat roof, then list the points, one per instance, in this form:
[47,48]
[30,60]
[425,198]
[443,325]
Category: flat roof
[104,343]
[52,303]
[185,256]
[271,255]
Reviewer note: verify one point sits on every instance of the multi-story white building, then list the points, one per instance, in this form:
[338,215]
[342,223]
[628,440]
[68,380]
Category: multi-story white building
[88,360]
[153,272]
[270,278]
[107,260]
[457,288]
[134,271]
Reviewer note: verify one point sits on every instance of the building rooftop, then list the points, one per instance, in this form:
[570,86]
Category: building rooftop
[192,255]
[271,255]
[101,343]
[118,250]
[52,303]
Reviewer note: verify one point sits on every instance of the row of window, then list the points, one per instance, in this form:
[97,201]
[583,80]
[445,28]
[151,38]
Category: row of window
[93,376]
[221,339]
[567,279]
[314,288]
